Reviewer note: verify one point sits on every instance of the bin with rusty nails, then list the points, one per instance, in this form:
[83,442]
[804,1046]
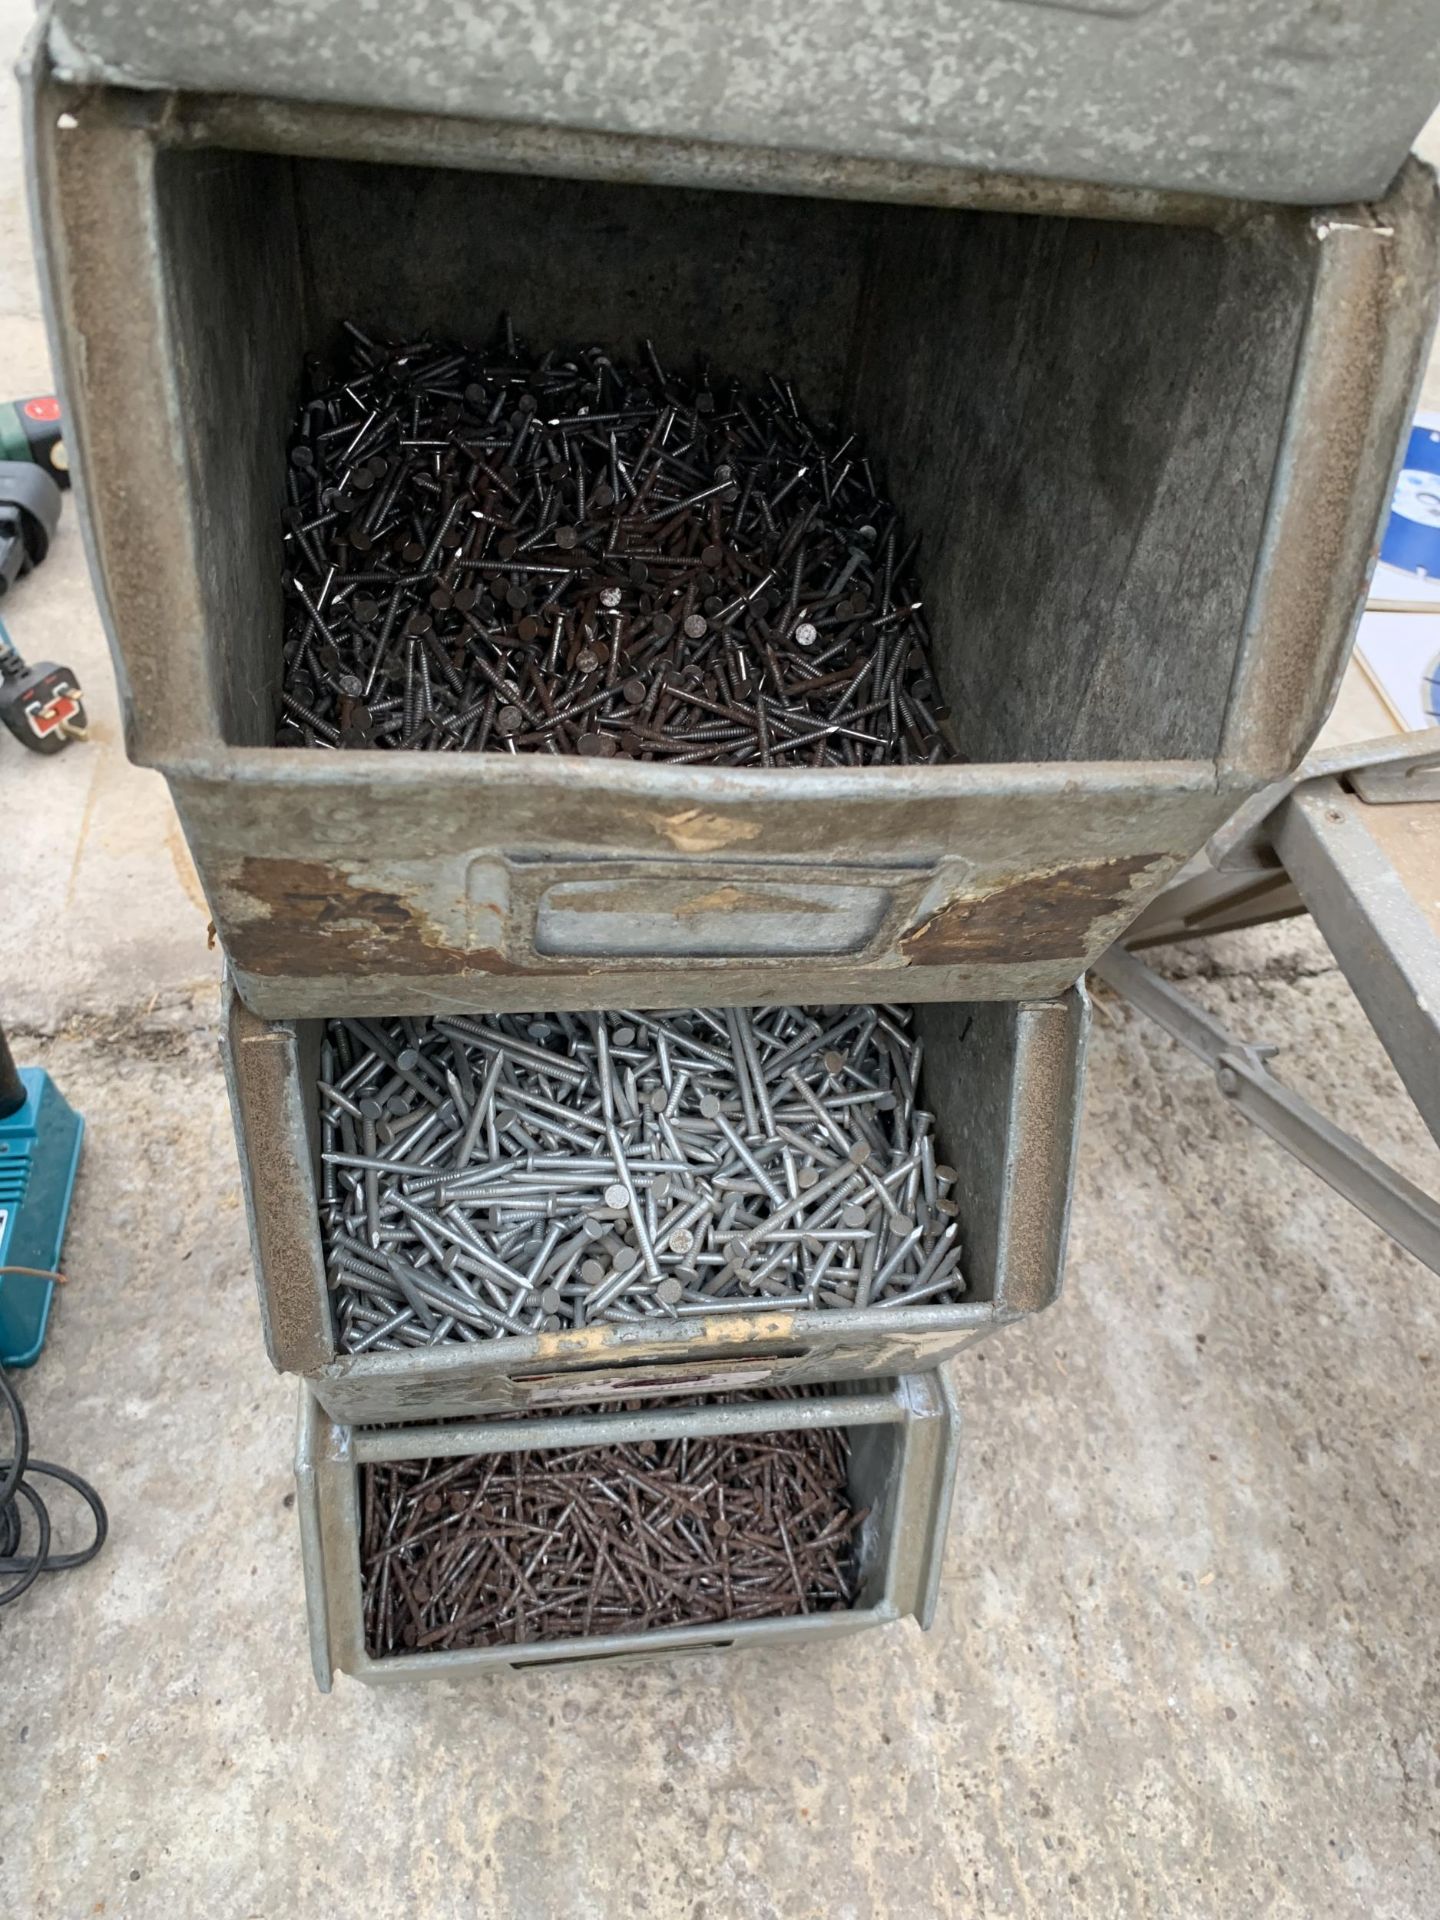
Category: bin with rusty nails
[902,1439]
[1145,438]
[1003,1082]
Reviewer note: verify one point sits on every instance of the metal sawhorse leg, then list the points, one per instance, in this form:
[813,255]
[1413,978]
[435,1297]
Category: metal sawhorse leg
[1354,838]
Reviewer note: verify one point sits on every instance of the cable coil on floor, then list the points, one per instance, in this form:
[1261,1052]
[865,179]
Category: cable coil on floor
[14,1487]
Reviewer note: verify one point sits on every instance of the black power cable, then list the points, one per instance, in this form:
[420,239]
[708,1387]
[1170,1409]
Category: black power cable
[14,1486]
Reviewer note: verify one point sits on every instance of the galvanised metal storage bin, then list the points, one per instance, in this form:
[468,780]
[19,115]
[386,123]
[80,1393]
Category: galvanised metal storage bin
[1004,1084]
[904,1438]
[1146,439]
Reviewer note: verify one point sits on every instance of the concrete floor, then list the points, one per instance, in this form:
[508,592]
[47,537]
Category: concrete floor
[1187,1651]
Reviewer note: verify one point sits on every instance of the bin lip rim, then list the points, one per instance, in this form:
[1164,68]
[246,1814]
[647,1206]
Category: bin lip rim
[552,773]
[874,1401]
[772,1325]
[195,112]
[454,1662]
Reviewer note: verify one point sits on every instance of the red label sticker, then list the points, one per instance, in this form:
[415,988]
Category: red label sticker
[56,712]
[44,407]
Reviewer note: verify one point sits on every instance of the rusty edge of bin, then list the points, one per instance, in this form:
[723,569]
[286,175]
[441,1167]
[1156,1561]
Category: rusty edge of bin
[1042,1139]
[91,189]
[904,1545]
[1016,877]
[278,1156]
[1362,358]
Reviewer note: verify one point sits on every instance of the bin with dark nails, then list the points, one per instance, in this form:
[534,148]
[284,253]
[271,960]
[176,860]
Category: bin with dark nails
[437,1552]
[1130,444]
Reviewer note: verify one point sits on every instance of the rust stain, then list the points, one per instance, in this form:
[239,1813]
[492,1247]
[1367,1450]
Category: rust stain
[695,831]
[577,1345]
[740,1329]
[307,914]
[1045,916]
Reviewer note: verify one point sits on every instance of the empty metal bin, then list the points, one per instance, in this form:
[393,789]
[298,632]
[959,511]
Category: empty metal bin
[1004,1084]
[1146,439]
[904,1438]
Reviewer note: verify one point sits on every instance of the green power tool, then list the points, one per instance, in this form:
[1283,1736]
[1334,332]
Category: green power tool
[31,430]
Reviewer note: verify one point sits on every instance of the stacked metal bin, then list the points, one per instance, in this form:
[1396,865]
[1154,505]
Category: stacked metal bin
[1145,433]
[902,1436]
[1003,1081]
[1145,441]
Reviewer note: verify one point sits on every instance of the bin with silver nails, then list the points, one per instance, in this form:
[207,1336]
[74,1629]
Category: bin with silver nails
[901,1440]
[456,1218]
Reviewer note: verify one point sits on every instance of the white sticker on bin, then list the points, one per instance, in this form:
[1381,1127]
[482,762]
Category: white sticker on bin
[656,1383]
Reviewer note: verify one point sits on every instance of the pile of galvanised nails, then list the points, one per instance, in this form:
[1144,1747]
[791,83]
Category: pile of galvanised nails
[505,1548]
[512,1174]
[566,554]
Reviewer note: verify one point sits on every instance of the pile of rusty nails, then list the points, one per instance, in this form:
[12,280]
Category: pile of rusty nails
[513,1174]
[566,554]
[507,1548]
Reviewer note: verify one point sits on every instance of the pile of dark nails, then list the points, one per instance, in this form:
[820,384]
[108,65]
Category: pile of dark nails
[515,1174]
[489,550]
[508,1548]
